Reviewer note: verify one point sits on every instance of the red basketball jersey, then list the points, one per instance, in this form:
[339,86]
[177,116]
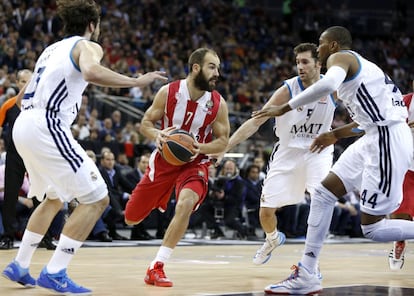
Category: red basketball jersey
[195,117]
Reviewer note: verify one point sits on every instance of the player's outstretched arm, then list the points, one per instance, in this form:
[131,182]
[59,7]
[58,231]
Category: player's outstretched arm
[88,56]
[325,139]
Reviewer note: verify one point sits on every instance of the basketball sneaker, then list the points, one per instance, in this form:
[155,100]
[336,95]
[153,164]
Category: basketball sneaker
[157,277]
[60,283]
[396,256]
[300,282]
[15,273]
[265,252]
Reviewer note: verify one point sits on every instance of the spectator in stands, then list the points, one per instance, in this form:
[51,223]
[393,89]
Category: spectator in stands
[232,193]
[260,162]
[117,120]
[252,199]
[139,231]
[100,230]
[211,211]
[119,190]
[107,133]
[82,127]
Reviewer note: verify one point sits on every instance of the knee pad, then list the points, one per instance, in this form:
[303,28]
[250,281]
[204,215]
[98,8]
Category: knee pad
[381,231]
[322,205]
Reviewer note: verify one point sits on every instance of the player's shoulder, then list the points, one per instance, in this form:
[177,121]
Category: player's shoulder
[83,44]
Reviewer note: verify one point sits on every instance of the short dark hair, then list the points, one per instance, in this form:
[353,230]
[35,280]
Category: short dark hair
[197,56]
[340,35]
[77,14]
[303,47]
[252,167]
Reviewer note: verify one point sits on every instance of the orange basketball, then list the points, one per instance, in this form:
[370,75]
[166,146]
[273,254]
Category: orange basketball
[178,149]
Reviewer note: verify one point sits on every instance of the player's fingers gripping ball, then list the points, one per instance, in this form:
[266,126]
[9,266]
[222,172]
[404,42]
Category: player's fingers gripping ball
[178,148]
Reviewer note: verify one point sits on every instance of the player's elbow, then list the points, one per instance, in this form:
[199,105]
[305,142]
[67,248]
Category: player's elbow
[91,73]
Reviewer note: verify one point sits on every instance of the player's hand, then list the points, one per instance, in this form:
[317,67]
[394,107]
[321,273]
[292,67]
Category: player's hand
[322,141]
[411,124]
[196,150]
[162,137]
[216,158]
[150,77]
[272,111]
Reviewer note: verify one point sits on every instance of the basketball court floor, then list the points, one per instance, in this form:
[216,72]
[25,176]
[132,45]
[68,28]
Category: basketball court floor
[224,267]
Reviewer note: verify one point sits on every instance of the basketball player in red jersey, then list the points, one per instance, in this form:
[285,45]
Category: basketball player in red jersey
[406,209]
[190,104]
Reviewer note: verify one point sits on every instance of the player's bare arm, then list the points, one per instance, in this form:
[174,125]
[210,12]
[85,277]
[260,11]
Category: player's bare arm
[221,131]
[249,127]
[329,138]
[340,65]
[153,114]
[88,56]
[272,111]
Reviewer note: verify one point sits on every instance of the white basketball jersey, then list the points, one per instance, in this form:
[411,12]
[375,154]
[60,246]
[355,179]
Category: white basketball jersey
[371,97]
[57,83]
[298,128]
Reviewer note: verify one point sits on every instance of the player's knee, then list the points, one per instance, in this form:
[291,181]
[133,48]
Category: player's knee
[267,213]
[375,231]
[322,204]
[186,205]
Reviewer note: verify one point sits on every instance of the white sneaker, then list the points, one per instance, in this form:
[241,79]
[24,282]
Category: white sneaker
[396,256]
[265,252]
[300,282]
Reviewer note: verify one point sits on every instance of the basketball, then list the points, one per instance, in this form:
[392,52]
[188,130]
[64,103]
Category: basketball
[178,149]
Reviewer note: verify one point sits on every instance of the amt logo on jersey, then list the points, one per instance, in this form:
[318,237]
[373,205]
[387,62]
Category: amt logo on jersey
[312,128]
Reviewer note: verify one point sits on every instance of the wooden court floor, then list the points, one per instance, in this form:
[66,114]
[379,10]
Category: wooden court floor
[347,269]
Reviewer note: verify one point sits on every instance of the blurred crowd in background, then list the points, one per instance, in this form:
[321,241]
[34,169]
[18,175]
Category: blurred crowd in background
[254,40]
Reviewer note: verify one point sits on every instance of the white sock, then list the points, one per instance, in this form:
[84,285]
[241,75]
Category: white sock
[30,242]
[64,252]
[164,253]
[272,235]
[320,216]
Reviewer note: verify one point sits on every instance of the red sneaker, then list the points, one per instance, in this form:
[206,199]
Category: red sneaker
[157,277]
[396,256]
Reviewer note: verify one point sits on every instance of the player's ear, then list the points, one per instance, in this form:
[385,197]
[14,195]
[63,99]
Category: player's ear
[333,46]
[196,68]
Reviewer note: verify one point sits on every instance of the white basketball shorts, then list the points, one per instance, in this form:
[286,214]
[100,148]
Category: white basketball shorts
[54,160]
[291,171]
[376,165]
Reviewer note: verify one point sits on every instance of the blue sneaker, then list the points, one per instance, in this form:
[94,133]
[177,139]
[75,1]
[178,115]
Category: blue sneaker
[15,273]
[61,283]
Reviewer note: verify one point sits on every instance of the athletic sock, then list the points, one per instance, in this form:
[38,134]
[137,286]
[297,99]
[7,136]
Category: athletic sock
[163,254]
[272,235]
[63,254]
[30,242]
